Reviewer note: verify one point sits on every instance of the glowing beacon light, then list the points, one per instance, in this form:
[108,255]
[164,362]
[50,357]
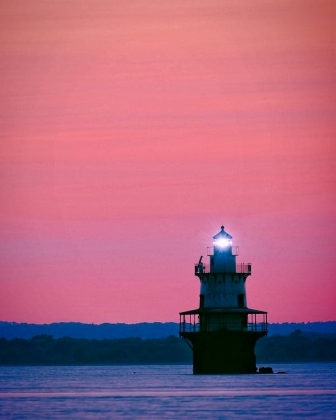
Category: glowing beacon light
[223,331]
[222,239]
[222,243]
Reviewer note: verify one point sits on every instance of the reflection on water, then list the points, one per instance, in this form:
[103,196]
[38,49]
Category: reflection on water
[307,390]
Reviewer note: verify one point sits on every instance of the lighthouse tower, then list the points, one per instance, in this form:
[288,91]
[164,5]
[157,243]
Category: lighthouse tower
[223,331]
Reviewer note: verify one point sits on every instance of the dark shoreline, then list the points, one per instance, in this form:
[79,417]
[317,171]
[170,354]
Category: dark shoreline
[44,350]
[259,363]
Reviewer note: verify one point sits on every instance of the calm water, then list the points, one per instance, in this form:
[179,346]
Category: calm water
[166,392]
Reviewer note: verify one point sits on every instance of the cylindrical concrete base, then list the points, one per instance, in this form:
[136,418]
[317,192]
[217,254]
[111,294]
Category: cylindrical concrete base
[223,352]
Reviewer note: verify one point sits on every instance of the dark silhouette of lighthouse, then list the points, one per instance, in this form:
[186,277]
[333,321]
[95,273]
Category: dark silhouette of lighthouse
[223,331]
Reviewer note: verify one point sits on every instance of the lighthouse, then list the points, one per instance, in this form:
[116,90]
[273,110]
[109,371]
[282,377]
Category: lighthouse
[223,331]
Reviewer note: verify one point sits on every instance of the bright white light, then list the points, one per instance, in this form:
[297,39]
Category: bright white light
[222,242]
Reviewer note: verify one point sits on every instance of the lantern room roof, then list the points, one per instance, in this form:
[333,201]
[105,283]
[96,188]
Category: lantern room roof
[222,234]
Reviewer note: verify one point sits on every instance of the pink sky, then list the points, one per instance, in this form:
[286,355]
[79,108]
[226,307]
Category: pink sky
[130,131]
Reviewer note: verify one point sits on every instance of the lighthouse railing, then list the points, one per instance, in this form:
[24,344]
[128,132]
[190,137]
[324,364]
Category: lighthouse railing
[191,323]
[234,250]
[241,268]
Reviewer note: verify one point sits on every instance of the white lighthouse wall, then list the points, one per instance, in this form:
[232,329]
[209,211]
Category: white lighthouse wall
[222,290]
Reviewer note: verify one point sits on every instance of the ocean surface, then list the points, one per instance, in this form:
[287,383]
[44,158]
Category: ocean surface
[166,392]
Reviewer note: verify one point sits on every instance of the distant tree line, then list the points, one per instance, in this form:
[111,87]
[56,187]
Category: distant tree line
[46,350]
[90,331]
[297,347]
[142,329]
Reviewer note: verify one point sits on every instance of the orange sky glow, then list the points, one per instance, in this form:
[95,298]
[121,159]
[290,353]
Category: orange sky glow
[130,131]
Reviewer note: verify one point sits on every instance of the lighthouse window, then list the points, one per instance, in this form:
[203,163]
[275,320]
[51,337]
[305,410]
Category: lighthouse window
[241,300]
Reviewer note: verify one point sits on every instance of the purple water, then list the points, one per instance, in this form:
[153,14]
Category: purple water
[166,392]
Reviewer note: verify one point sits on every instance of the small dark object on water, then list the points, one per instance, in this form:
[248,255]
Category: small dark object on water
[265,370]
[281,372]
